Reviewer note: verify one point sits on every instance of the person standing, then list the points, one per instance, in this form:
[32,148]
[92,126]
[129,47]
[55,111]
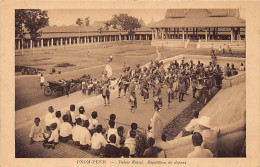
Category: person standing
[133,100]
[145,87]
[105,82]
[42,81]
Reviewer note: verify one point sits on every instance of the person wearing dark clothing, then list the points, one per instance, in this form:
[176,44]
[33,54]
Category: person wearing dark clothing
[111,151]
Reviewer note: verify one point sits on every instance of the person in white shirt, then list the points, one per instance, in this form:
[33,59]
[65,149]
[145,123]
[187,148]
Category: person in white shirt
[42,81]
[57,119]
[48,117]
[131,143]
[81,113]
[76,130]
[193,126]
[199,151]
[112,129]
[93,122]
[209,134]
[98,141]
[65,129]
[54,138]
[72,115]
[85,136]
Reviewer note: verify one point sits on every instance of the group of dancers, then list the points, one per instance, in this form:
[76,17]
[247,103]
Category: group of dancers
[177,78]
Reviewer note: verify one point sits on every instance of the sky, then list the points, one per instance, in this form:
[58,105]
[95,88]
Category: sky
[60,17]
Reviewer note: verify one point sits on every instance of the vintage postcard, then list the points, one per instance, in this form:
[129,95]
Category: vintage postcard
[130,83]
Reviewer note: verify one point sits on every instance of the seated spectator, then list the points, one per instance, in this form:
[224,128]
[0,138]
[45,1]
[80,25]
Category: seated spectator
[65,129]
[57,119]
[54,138]
[242,67]
[111,150]
[209,134]
[130,142]
[93,122]
[120,135]
[227,71]
[85,136]
[81,113]
[151,151]
[98,141]
[125,152]
[76,131]
[134,127]
[72,115]
[199,151]
[149,131]
[48,117]
[37,132]
[233,70]
[192,126]
[112,129]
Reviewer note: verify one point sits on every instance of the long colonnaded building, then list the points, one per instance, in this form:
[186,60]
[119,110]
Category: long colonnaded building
[180,28]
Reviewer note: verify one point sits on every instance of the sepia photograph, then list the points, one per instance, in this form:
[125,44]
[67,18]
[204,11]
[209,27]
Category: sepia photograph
[130,83]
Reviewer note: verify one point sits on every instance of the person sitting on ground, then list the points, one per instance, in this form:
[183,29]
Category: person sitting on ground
[57,119]
[151,151]
[81,113]
[134,127]
[54,138]
[85,136]
[192,126]
[233,70]
[98,141]
[242,67]
[112,129]
[199,151]
[130,142]
[227,71]
[93,122]
[125,152]
[48,117]
[111,117]
[37,132]
[65,129]
[111,150]
[120,136]
[76,131]
[209,134]
[72,115]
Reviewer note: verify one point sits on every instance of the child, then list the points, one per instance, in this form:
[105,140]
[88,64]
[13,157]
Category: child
[112,129]
[48,118]
[199,151]
[57,119]
[37,132]
[125,152]
[131,143]
[54,139]
[151,151]
[134,127]
[111,150]
[93,122]
[85,136]
[120,136]
[98,141]
[65,129]
[72,116]
[81,113]
[76,132]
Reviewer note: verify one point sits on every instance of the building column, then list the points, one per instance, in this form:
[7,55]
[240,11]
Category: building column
[61,41]
[206,35]
[187,33]
[31,44]
[146,37]
[18,44]
[48,44]
[41,43]
[52,42]
[231,35]
[183,34]
[98,39]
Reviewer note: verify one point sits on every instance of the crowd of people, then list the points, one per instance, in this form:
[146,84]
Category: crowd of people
[110,140]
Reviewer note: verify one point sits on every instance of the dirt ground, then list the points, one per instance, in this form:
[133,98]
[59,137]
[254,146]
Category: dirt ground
[28,91]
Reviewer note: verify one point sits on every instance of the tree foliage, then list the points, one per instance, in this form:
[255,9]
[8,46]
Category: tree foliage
[31,19]
[79,21]
[123,22]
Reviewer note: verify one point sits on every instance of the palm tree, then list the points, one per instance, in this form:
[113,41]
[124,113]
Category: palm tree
[79,22]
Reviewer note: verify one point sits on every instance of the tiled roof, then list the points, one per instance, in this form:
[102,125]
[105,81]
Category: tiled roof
[201,22]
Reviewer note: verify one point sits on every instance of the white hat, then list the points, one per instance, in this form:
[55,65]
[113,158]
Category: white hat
[204,121]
